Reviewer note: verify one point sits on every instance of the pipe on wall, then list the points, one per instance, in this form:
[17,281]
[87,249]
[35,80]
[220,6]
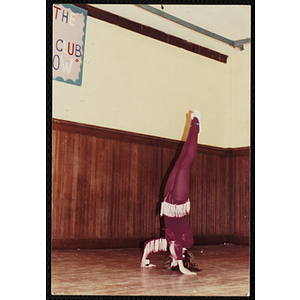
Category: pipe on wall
[236,44]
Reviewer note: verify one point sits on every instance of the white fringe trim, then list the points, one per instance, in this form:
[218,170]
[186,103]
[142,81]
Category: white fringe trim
[172,251]
[174,210]
[155,246]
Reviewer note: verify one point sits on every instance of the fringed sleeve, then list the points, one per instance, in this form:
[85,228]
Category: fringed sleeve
[155,246]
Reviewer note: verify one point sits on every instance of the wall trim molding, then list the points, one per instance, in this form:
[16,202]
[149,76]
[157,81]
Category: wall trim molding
[152,33]
[132,137]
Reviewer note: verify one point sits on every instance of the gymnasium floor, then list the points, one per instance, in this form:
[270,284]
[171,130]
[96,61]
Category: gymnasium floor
[225,271]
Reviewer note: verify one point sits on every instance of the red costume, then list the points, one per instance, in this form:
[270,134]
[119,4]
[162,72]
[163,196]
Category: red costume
[176,203]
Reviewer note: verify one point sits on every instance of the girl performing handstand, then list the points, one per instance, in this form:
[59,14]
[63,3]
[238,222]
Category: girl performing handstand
[176,204]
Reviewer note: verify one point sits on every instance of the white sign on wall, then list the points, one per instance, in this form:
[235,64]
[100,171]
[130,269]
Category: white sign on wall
[69,27]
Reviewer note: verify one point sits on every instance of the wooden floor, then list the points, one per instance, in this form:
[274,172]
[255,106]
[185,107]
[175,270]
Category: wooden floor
[225,272]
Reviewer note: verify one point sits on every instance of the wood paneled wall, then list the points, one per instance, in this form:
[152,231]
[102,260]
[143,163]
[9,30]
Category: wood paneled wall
[107,186]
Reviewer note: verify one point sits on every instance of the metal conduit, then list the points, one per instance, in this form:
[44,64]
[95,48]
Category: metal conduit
[236,44]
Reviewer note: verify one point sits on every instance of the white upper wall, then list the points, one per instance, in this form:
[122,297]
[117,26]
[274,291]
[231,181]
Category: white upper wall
[134,83]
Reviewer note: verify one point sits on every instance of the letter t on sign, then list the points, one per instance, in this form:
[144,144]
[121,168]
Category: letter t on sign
[57,9]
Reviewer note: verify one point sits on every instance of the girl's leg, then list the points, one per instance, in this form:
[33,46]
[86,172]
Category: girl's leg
[182,179]
[185,158]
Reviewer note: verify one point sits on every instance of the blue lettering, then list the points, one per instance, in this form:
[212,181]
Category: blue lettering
[78,51]
[64,16]
[57,46]
[58,62]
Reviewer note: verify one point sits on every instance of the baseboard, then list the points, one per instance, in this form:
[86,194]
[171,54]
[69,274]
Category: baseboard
[217,240]
[99,243]
[112,243]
